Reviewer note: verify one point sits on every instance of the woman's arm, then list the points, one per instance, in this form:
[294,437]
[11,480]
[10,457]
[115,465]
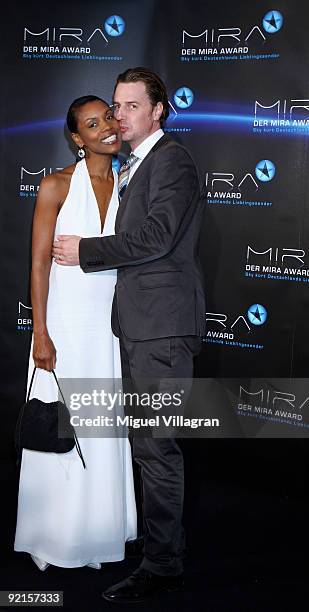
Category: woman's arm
[46,210]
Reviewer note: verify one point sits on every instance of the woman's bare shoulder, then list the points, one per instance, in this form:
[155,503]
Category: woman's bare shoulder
[57,182]
[59,177]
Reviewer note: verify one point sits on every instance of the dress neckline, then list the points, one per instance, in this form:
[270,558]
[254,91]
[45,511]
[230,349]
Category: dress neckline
[83,161]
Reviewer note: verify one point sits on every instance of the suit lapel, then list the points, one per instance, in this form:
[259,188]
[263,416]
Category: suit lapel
[136,176]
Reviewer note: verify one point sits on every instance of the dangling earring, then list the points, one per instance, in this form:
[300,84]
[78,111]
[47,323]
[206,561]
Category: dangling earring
[81,152]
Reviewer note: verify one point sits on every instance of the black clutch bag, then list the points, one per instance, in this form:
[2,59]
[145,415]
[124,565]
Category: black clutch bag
[37,426]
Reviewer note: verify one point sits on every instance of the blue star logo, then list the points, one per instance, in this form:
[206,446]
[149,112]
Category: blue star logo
[114,25]
[257,314]
[265,170]
[183,97]
[272,22]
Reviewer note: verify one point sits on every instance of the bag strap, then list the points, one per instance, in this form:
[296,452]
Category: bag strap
[19,422]
[30,386]
[62,396]
[57,383]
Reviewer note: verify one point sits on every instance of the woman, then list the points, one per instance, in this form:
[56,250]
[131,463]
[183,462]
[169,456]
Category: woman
[68,516]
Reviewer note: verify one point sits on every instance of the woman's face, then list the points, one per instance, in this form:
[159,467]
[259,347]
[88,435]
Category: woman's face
[97,129]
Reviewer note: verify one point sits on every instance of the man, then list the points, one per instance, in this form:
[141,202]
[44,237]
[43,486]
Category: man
[158,310]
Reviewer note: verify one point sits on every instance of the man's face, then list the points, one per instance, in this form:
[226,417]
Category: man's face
[137,118]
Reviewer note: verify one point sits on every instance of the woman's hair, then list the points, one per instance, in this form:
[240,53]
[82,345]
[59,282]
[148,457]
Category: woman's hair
[155,87]
[75,106]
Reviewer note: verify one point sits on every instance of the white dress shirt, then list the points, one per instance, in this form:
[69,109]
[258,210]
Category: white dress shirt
[143,149]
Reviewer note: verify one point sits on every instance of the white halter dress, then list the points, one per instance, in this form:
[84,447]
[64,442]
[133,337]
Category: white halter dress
[69,516]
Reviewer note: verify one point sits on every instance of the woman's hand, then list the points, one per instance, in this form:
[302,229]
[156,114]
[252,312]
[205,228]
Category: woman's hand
[44,352]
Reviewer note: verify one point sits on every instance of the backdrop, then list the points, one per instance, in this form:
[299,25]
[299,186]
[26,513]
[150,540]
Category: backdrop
[237,80]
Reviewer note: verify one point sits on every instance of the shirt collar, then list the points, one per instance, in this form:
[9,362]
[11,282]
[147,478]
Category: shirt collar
[143,149]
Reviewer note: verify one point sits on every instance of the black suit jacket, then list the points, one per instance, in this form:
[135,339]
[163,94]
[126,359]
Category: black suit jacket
[159,290]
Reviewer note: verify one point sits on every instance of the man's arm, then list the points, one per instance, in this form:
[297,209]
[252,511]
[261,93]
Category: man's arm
[172,188]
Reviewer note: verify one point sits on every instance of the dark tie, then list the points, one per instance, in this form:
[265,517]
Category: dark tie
[124,172]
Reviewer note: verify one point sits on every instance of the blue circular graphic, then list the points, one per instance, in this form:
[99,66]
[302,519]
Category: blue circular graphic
[114,25]
[257,314]
[272,22]
[183,97]
[265,170]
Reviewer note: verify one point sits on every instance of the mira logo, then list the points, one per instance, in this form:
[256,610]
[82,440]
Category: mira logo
[30,180]
[227,188]
[53,40]
[235,330]
[276,256]
[272,404]
[212,41]
[276,263]
[281,115]
[24,318]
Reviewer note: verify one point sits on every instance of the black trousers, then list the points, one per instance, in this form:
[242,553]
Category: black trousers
[160,459]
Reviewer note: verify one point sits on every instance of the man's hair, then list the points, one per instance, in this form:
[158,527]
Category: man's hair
[74,108]
[155,87]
